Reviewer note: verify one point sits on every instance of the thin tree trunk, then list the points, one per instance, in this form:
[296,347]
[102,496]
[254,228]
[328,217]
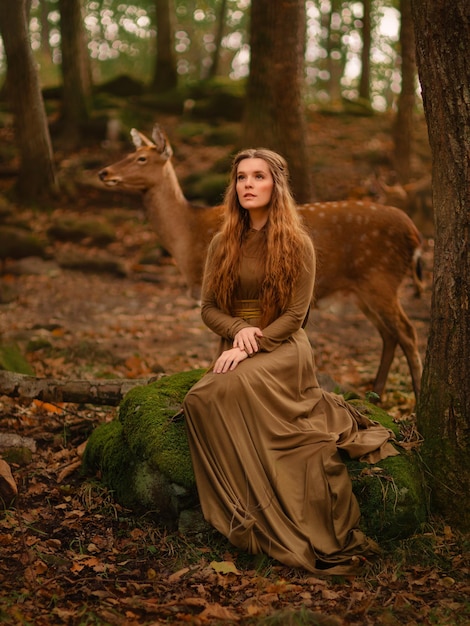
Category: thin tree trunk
[45,45]
[165,75]
[214,69]
[404,121]
[335,58]
[364,82]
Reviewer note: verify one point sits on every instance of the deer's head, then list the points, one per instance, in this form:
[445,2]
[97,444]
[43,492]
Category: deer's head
[138,171]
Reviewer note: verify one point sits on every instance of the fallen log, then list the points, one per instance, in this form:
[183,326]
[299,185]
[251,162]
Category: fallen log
[98,391]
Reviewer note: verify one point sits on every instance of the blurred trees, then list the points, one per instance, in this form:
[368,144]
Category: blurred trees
[443,40]
[329,53]
[351,47]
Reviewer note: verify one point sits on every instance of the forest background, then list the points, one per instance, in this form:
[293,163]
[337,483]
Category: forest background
[187,65]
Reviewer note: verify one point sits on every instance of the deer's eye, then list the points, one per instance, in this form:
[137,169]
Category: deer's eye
[142,159]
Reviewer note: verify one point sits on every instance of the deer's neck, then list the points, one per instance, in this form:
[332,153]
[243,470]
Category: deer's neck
[165,204]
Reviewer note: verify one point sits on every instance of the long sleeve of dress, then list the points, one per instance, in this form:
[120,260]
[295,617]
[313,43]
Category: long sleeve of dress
[226,326]
[292,319]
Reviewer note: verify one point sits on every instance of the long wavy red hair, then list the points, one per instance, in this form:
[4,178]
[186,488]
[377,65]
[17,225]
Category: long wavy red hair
[285,241]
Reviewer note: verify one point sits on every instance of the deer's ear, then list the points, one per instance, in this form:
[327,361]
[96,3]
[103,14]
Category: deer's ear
[139,139]
[161,141]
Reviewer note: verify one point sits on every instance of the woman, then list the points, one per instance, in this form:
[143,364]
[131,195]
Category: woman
[264,437]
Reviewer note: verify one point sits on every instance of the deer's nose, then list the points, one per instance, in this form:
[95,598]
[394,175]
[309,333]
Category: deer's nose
[102,174]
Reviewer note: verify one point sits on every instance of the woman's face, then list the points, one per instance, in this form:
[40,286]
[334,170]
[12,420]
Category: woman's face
[254,184]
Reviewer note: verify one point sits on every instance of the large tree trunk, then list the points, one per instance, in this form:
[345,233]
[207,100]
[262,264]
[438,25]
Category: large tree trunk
[274,114]
[442,32]
[76,94]
[403,129]
[37,179]
[165,76]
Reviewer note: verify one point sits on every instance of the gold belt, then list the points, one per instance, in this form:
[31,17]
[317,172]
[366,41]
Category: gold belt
[248,309]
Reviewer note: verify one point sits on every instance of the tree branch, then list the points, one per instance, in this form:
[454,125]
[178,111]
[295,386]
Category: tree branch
[98,391]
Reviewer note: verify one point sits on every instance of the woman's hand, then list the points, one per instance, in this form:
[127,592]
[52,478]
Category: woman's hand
[228,360]
[245,339]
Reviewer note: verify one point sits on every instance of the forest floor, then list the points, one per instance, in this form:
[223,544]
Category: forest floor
[71,554]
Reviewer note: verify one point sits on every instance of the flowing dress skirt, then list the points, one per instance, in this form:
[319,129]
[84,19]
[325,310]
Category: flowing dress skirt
[264,441]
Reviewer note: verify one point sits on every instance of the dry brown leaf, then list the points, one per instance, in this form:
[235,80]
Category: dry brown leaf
[219,612]
[68,470]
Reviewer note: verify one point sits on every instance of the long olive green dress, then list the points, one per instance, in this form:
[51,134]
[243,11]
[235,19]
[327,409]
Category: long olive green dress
[264,438]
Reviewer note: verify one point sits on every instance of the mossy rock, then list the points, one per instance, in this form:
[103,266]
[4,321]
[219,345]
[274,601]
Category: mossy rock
[143,456]
[392,492]
[18,243]
[70,229]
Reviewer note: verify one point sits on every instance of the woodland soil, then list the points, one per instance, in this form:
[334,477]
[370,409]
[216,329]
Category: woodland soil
[70,553]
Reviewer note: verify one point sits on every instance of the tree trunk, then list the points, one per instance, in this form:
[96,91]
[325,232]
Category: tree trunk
[165,76]
[274,113]
[98,392]
[403,127]
[76,93]
[36,179]
[335,58]
[364,82]
[45,29]
[442,32]
[214,68]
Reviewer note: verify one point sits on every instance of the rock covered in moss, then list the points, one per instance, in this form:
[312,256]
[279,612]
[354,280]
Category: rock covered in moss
[392,492]
[143,456]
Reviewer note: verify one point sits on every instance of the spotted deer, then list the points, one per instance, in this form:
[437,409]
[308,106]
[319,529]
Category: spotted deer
[362,248]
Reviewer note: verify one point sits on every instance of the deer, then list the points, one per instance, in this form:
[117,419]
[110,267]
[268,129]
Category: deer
[415,198]
[362,248]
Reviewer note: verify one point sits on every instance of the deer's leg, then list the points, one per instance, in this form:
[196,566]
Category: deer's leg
[408,341]
[387,315]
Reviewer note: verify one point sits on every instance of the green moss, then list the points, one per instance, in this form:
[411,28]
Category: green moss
[374,412]
[391,493]
[154,427]
[107,455]
[12,360]
[69,229]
